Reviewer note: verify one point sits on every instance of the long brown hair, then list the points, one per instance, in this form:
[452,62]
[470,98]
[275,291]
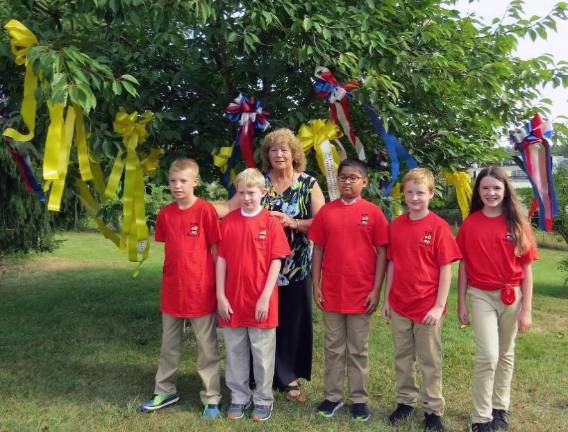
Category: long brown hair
[517,223]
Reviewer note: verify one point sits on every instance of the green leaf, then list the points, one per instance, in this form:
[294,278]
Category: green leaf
[130,78]
[130,88]
[116,88]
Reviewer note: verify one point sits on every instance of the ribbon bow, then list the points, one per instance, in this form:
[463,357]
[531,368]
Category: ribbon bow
[535,159]
[317,134]
[338,96]
[461,181]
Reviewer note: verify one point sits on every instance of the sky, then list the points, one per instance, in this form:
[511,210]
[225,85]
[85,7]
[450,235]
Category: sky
[554,45]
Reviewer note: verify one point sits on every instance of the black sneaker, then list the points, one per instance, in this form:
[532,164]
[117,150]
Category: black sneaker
[360,412]
[401,413]
[328,408]
[481,427]
[433,423]
[500,420]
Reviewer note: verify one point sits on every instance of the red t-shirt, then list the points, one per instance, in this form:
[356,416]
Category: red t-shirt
[249,245]
[489,252]
[188,281]
[349,236]
[417,250]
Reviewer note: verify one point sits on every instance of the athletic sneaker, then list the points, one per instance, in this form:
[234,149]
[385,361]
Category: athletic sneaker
[211,411]
[328,408]
[401,413]
[360,412]
[433,423]
[500,420]
[481,427]
[157,402]
[237,411]
[261,412]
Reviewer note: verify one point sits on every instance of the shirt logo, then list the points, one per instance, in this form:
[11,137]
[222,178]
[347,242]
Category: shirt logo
[262,234]
[364,219]
[194,230]
[427,239]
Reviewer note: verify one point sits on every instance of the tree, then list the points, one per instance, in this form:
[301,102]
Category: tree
[445,84]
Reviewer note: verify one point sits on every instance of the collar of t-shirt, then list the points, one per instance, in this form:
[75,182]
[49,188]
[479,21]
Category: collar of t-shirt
[253,214]
[348,203]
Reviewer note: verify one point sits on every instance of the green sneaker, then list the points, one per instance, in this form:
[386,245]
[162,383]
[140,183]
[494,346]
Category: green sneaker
[157,402]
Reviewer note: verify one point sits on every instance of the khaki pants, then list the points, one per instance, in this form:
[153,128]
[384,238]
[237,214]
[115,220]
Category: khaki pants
[239,343]
[495,327]
[205,332]
[416,342]
[346,345]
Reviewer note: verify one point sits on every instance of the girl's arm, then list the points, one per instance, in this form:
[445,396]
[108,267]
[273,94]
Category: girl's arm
[463,314]
[386,307]
[316,275]
[261,310]
[373,298]
[223,305]
[434,315]
[525,314]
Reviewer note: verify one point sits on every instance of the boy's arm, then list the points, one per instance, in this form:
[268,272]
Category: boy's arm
[213,249]
[434,315]
[373,298]
[525,314]
[261,310]
[223,305]
[387,307]
[316,275]
[463,314]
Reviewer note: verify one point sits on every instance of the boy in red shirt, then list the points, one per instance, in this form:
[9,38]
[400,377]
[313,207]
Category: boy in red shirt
[350,236]
[421,251]
[247,270]
[190,230]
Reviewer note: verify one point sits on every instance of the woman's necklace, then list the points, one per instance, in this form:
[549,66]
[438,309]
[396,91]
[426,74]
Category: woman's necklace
[281,184]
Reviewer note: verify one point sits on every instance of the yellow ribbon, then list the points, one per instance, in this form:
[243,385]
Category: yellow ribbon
[151,163]
[221,160]
[21,40]
[317,134]
[134,233]
[461,181]
[396,195]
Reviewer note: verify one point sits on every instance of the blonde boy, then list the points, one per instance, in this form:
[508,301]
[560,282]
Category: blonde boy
[190,231]
[420,254]
[252,245]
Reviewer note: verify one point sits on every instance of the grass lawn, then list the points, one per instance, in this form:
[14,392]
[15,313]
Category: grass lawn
[80,340]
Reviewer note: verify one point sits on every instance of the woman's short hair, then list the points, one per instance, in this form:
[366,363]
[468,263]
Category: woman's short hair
[287,137]
[251,177]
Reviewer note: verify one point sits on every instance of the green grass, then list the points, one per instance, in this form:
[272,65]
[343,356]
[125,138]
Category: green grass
[80,340]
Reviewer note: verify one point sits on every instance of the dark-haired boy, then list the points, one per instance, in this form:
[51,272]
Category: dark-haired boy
[350,235]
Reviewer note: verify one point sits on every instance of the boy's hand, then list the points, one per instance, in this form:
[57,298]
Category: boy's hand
[261,310]
[387,310]
[525,319]
[371,302]
[318,295]
[463,314]
[433,316]
[224,308]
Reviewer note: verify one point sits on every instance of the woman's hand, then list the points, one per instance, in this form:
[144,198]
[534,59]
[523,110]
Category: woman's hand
[285,220]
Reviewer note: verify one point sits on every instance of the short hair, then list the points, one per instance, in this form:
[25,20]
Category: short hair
[183,164]
[421,176]
[357,164]
[283,136]
[251,177]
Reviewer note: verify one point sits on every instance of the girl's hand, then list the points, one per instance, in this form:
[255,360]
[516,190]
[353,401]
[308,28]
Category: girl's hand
[463,314]
[525,319]
[261,310]
[433,316]
[387,310]
[224,308]
[318,295]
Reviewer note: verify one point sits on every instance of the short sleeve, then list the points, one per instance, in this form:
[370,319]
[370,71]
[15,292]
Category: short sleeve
[532,254]
[317,232]
[381,230]
[160,232]
[447,251]
[212,231]
[279,243]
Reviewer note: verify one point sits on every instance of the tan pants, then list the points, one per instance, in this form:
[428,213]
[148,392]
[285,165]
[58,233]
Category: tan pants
[416,342]
[239,343]
[205,332]
[346,345]
[495,327]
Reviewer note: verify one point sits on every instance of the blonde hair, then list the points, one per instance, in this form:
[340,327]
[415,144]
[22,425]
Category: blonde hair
[421,176]
[183,164]
[251,177]
[287,137]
